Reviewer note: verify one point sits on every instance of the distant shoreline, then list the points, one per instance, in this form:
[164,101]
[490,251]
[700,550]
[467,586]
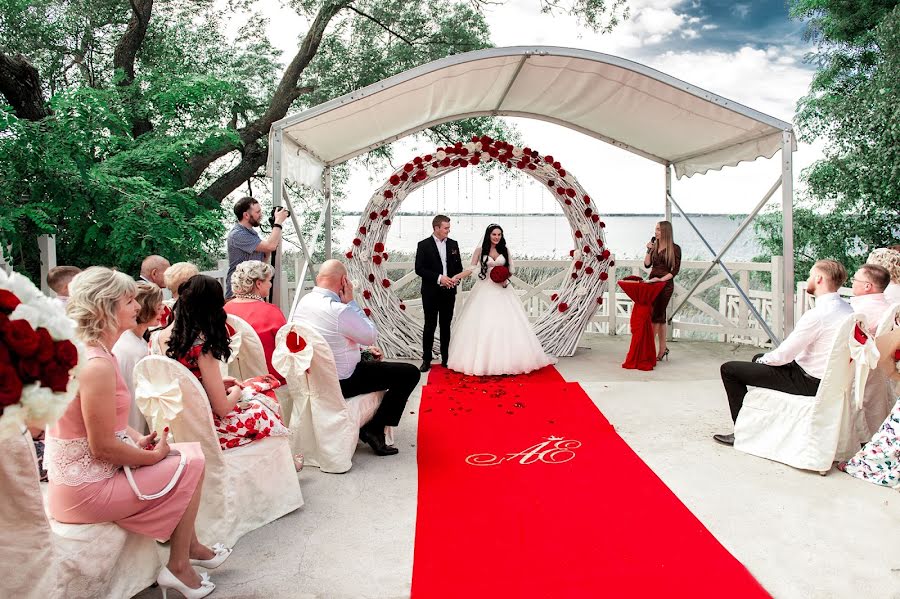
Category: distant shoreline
[629,214]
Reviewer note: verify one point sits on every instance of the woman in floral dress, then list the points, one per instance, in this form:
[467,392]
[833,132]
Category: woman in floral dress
[879,460]
[243,412]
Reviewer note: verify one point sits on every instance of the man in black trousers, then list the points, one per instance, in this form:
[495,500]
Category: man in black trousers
[438,262]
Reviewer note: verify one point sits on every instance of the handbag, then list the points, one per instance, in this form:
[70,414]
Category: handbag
[171,484]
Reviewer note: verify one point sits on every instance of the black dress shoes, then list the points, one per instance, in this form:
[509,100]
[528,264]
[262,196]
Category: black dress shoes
[724,439]
[375,440]
[425,367]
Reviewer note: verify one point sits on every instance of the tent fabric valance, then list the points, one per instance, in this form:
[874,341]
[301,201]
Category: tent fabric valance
[618,101]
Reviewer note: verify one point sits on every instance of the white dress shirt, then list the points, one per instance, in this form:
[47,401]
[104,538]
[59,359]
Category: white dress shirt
[892,293]
[442,250]
[810,343]
[873,306]
[128,351]
[345,327]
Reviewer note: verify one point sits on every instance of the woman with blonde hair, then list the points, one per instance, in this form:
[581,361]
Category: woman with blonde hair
[889,258]
[91,445]
[663,258]
[251,282]
[174,277]
[132,346]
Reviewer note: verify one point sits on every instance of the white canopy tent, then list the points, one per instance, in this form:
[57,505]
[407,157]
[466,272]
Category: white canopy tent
[626,104]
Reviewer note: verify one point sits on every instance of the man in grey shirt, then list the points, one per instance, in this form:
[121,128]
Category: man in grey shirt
[244,243]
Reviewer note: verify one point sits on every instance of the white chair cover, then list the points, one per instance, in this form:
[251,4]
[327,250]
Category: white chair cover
[245,487]
[248,359]
[40,557]
[805,432]
[325,426]
[865,358]
[881,392]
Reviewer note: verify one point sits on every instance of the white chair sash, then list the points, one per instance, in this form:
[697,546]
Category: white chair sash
[159,401]
[865,356]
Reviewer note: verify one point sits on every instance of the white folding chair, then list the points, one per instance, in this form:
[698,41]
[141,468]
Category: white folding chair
[809,433]
[880,391]
[325,426]
[245,487]
[45,558]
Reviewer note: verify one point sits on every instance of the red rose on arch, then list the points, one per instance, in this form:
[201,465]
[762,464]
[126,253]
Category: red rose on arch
[563,307]
[574,275]
[586,249]
[357,241]
[388,193]
[373,215]
[588,212]
[612,262]
[578,264]
[367,294]
[589,270]
[8,301]
[10,385]
[371,278]
[363,230]
[568,202]
[387,221]
[349,255]
[379,247]
[376,259]
[20,338]
[572,253]
[408,167]
[553,297]
[587,199]
[578,234]
[395,180]
[367,311]
[599,300]
[570,192]
[384,256]
[403,306]
[385,283]
[604,276]
[595,217]
[605,254]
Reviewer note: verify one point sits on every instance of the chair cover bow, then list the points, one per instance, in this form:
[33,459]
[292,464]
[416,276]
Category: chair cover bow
[293,354]
[865,356]
[234,342]
[159,401]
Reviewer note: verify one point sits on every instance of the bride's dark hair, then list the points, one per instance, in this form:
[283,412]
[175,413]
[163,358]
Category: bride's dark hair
[486,249]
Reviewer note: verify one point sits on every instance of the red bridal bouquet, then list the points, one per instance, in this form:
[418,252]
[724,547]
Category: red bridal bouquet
[500,275]
[38,357]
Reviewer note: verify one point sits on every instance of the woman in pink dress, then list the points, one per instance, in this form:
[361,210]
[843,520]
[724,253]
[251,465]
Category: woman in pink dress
[250,284]
[243,412]
[89,446]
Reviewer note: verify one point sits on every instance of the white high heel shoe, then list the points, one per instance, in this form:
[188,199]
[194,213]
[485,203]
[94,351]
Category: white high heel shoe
[222,553]
[166,580]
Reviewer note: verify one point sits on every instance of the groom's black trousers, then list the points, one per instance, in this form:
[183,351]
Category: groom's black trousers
[397,378]
[437,305]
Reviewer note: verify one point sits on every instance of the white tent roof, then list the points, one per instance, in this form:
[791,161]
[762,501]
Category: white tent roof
[618,101]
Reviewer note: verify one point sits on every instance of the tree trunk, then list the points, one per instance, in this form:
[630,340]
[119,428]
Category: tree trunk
[126,53]
[20,84]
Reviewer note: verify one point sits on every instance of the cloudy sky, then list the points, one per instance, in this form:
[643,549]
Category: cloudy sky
[750,52]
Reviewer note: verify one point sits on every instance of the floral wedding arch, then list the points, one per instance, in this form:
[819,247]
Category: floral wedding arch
[560,327]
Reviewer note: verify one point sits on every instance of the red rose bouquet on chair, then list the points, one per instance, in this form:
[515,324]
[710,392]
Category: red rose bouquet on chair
[38,357]
[500,275]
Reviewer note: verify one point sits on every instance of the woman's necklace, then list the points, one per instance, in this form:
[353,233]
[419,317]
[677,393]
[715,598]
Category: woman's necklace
[104,348]
[250,296]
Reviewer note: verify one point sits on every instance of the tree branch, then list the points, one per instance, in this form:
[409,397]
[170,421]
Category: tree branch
[254,153]
[126,53]
[380,24]
[20,84]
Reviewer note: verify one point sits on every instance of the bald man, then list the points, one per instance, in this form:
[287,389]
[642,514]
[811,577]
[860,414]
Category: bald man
[331,310]
[152,270]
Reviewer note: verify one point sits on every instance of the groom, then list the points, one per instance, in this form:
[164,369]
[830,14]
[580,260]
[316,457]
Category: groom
[438,262]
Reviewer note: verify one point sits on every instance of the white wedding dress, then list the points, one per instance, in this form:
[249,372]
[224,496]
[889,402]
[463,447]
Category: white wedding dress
[491,334]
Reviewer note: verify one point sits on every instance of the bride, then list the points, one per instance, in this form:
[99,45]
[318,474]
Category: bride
[492,335]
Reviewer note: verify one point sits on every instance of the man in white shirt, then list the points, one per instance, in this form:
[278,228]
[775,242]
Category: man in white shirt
[868,299]
[798,364]
[331,310]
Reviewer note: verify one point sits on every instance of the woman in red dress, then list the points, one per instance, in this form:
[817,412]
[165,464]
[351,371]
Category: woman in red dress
[664,261]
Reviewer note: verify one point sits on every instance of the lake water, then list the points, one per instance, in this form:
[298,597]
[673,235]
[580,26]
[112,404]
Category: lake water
[549,235]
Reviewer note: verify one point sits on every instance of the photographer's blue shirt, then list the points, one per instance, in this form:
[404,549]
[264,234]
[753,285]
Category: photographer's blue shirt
[241,245]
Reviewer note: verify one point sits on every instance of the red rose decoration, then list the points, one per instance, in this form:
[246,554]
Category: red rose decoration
[570,192]
[574,275]
[403,306]
[550,183]
[563,307]
[604,276]
[376,259]
[578,264]
[367,311]
[373,215]
[499,274]
[387,221]
[295,343]
[561,191]
[29,370]
[612,262]
[385,212]
[599,300]
[417,160]
[371,278]
[595,217]
[572,253]
[562,173]
[588,271]
[557,165]
[45,350]
[8,301]
[349,255]
[408,167]
[55,376]
[385,283]
[588,212]
[395,180]
[568,202]
[404,177]
[366,293]
[388,193]
[379,247]
[548,159]
[363,230]
[605,254]
[20,338]
[586,249]
[578,234]
[10,385]
[553,297]
[357,241]
[587,199]
[602,225]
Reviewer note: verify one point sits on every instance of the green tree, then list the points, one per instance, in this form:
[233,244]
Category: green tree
[852,199]
[128,123]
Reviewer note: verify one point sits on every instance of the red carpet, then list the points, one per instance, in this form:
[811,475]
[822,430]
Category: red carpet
[506,511]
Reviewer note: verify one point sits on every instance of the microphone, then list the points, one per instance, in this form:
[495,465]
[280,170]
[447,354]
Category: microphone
[653,239]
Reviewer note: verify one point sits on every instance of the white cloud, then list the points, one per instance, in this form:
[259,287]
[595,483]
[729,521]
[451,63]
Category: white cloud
[741,10]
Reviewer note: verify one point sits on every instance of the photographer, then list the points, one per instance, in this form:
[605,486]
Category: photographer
[244,243]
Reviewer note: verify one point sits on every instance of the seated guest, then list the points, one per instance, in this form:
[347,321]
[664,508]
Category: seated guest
[132,346]
[250,285]
[90,444]
[330,309]
[879,460]
[798,364]
[888,258]
[58,279]
[199,339]
[153,269]
[174,276]
[868,286]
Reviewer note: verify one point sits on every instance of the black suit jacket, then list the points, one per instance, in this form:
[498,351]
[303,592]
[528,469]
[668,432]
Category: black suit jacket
[428,264]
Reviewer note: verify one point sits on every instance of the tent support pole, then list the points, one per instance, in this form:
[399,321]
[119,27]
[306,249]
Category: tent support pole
[327,210]
[787,234]
[277,185]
